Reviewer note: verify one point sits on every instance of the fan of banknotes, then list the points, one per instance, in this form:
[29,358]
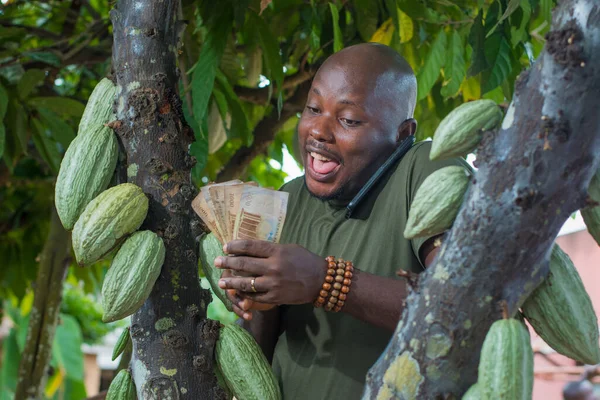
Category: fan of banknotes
[238,210]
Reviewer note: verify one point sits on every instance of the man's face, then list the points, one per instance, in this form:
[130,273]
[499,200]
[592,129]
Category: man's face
[344,134]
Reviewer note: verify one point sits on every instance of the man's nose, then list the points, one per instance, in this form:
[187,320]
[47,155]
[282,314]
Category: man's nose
[321,129]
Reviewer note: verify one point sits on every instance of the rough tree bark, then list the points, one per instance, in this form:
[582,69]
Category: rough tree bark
[44,313]
[173,341]
[532,175]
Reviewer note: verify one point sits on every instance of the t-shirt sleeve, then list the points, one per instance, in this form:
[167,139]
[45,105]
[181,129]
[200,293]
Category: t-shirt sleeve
[420,168]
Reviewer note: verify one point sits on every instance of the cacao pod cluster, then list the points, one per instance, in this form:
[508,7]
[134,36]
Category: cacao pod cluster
[105,219]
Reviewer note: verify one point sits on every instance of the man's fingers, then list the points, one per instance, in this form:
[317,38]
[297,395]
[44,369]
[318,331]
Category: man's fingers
[243,284]
[247,315]
[255,248]
[258,297]
[251,265]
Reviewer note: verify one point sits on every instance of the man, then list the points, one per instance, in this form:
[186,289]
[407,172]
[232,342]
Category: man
[359,110]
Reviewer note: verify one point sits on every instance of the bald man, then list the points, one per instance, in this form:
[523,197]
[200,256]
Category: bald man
[359,110]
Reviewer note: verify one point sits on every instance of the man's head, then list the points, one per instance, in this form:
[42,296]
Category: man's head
[359,109]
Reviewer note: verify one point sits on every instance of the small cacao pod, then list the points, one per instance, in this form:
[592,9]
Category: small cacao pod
[561,311]
[591,215]
[99,108]
[244,366]
[459,133]
[107,220]
[217,136]
[506,364]
[437,202]
[85,171]
[121,343]
[211,248]
[254,66]
[122,387]
[132,275]
[472,393]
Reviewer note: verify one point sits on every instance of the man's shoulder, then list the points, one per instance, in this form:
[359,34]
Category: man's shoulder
[294,186]
[417,158]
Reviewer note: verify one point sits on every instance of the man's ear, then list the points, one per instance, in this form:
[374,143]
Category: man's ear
[407,127]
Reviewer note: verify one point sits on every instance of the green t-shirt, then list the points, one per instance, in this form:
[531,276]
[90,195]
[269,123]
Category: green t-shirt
[326,355]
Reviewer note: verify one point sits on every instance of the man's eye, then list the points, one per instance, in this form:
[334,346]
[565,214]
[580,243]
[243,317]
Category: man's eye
[313,110]
[350,122]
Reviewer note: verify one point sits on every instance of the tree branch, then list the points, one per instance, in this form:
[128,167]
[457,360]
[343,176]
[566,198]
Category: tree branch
[264,134]
[532,175]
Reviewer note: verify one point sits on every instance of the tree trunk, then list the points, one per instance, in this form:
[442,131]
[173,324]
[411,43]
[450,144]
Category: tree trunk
[44,313]
[173,342]
[532,175]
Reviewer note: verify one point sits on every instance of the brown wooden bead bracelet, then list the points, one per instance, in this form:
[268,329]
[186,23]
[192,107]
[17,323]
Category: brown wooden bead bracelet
[336,287]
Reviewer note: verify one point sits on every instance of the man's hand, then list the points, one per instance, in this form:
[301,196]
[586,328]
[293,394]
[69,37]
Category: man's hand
[284,274]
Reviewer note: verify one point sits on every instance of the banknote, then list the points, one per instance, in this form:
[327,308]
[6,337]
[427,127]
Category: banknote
[217,197]
[204,211]
[261,214]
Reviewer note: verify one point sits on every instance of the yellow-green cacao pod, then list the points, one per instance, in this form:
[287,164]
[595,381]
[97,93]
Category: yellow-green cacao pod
[437,202]
[254,66]
[99,108]
[85,171]
[122,387]
[591,215]
[217,136]
[132,275]
[506,363]
[561,312]
[459,133]
[211,248]
[472,393]
[107,220]
[121,343]
[244,366]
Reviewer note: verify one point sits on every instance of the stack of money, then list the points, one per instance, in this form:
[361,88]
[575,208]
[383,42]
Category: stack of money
[238,210]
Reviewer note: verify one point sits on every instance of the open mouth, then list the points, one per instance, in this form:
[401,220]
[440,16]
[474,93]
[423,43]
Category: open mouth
[321,167]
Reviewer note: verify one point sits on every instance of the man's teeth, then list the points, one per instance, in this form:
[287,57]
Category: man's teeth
[319,156]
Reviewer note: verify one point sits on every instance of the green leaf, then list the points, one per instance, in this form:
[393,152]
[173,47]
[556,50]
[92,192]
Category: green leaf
[2,139]
[11,357]
[546,9]
[221,103]
[477,40]
[30,79]
[519,34]
[62,132]
[3,102]
[338,43]
[417,10]
[510,8]
[66,348]
[203,78]
[270,47]
[60,105]
[45,145]
[43,56]
[434,62]
[501,68]
[239,121]
[455,69]
[367,17]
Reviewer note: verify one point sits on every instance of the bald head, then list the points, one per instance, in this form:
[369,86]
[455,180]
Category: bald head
[384,70]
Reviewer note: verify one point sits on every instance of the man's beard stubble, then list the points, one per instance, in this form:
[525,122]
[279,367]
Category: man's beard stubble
[337,195]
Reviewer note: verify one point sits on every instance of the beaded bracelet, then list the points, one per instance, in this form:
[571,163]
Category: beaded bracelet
[336,286]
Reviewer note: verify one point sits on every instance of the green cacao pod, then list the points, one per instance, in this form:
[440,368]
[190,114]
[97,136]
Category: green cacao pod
[132,275]
[437,202]
[561,311]
[459,133]
[472,393]
[244,366]
[121,343]
[122,387]
[221,382]
[254,66]
[99,108]
[211,248]
[107,220]
[506,363]
[85,171]
[591,215]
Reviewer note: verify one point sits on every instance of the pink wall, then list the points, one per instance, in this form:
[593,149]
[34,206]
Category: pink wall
[585,253]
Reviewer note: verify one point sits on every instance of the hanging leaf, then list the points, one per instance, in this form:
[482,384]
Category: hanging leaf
[367,16]
[546,9]
[60,105]
[406,27]
[510,8]
[338,43]
[30,79]
[455,69]
[501,67]
[519,34]
[66,348]
[46,146]
[471,89]
[62,132]
[315,30]
[384,34]
[47,57]
[270,48]
[434,62]
[239,121]
[417,10]
[203,78]
[477,40]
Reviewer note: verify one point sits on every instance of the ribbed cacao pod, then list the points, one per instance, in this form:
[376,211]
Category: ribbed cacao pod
[221,382]
[132,275]
[459,133]
[85,171]
[244,366]
[122,387]
[506,364]
[437,202]
[591,215]
[472,393]
[107,220]
[217,136]
[211,248]
[561,311]
[121,343]
[99,108]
